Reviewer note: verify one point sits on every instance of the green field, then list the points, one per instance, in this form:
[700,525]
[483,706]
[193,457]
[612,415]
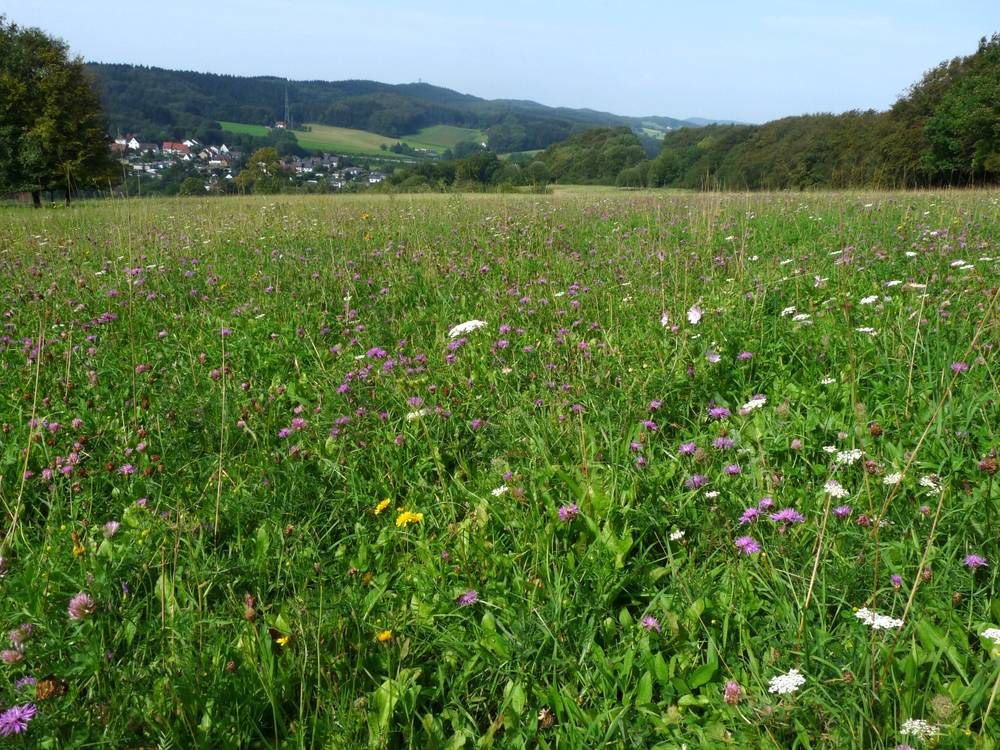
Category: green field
[365,143]
[445,136]
[243,128]
[593,469]
[362,142]
[343,140]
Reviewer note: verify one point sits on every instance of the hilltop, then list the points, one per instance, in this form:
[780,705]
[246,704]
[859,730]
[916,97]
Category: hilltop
[163,104]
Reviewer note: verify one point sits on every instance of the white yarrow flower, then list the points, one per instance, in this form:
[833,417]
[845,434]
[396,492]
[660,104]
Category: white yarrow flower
[834,489]
[892,479]
[992,634]
[828,381]
[417,414]
[918,728]
[499,490]
[869,300]
[877,621]
[676,536]
[466,327]
[849,457]
[786,683]
[754,403]
[932,483]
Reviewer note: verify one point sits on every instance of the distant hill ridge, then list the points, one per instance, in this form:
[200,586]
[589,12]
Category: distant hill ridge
[162,104]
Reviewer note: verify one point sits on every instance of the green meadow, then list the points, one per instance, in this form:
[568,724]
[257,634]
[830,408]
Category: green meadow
[364,143]
[595,469]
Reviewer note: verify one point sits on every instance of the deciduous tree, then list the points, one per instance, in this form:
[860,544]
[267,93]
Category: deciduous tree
[52,130]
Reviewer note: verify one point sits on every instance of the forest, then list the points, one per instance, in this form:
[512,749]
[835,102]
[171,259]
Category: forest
[945,130]
[163,104]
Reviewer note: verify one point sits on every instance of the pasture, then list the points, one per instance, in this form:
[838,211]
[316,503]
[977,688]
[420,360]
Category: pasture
[243,128]
[591,469]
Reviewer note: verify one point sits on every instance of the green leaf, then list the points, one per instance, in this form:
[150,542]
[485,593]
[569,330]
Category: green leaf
[644,693]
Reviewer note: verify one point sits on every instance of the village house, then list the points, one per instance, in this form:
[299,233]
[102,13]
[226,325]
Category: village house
[180,149]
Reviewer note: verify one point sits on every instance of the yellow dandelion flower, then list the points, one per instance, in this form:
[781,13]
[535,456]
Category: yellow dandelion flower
[382,506]
[282,640]
[78,549]
[384,637]
[406,517]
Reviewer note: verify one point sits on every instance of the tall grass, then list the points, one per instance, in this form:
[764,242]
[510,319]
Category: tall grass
[207,403]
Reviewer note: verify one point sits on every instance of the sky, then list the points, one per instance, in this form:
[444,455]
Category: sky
[750,61]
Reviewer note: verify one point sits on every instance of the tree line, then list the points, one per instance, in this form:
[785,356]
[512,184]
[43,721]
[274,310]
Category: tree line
[945,130]
[168,104]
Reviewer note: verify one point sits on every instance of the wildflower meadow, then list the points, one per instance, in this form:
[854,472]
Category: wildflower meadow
[582,470]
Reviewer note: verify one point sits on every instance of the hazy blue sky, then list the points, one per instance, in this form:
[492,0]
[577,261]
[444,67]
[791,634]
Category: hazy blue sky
[745,60]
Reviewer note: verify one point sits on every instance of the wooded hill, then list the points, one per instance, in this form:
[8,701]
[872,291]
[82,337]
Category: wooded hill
[166,104]
[945,130]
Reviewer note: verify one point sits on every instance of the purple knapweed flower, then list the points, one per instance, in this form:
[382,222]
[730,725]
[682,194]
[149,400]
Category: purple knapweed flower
[651,623]
[733,469]
[747,545]
[843,511]
[568,512]
[959,367]
[896,581]
[687,449]
[973,561]
[750,514]
[15,719]
[469,597]
[723,443]
[696,481]
[788,515]
[718,412]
